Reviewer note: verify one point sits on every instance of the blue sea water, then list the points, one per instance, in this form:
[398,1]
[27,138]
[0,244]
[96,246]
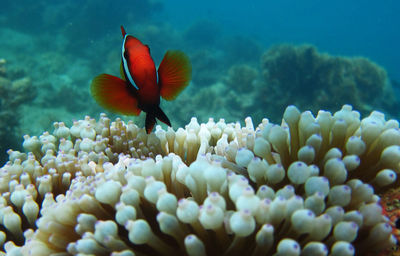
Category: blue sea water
[351,28]
[367,28]
[61,45]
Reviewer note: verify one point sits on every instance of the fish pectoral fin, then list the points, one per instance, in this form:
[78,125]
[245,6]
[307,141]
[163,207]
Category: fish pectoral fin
[113,93]
[174,74]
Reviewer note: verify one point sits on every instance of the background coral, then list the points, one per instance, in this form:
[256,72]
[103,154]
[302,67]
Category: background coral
[307,186]
[324,81]
[287,75]
[16,90]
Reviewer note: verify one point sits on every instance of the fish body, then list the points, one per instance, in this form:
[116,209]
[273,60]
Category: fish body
[142,85]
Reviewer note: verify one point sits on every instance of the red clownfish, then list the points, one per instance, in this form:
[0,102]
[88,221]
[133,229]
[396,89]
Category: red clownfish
[141,85]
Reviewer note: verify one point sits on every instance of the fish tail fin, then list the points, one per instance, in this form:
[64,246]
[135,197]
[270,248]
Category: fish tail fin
[151,118]
[160,115]
[150,122]
[174,73]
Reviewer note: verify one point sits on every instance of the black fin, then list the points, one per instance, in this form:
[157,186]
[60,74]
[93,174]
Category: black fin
[150,122]
[162,116]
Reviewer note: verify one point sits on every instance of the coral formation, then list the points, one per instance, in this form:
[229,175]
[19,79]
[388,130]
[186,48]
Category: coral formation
[208,66]
[391,207]
[325,81]
[298,75]
[15,91]
[308,186]
[62,95]
[241,77]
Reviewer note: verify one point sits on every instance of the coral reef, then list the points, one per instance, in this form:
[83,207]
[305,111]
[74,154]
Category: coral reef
[308,186]
[62,97]
[241,77]
[288,74]
[15,91]
[192,98]
[391,204]
[208,67]
[324,81]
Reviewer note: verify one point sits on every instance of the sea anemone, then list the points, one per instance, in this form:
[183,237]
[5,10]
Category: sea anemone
[308,186]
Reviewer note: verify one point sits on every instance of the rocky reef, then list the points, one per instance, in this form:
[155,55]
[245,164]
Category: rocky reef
[290,74]
[303,76]
[16,90]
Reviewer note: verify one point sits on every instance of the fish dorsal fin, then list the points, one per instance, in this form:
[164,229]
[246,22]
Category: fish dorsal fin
[123,31]
[114,94]
[174,74]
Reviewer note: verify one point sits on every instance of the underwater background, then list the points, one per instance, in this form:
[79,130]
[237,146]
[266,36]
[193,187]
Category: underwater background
[249,58]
